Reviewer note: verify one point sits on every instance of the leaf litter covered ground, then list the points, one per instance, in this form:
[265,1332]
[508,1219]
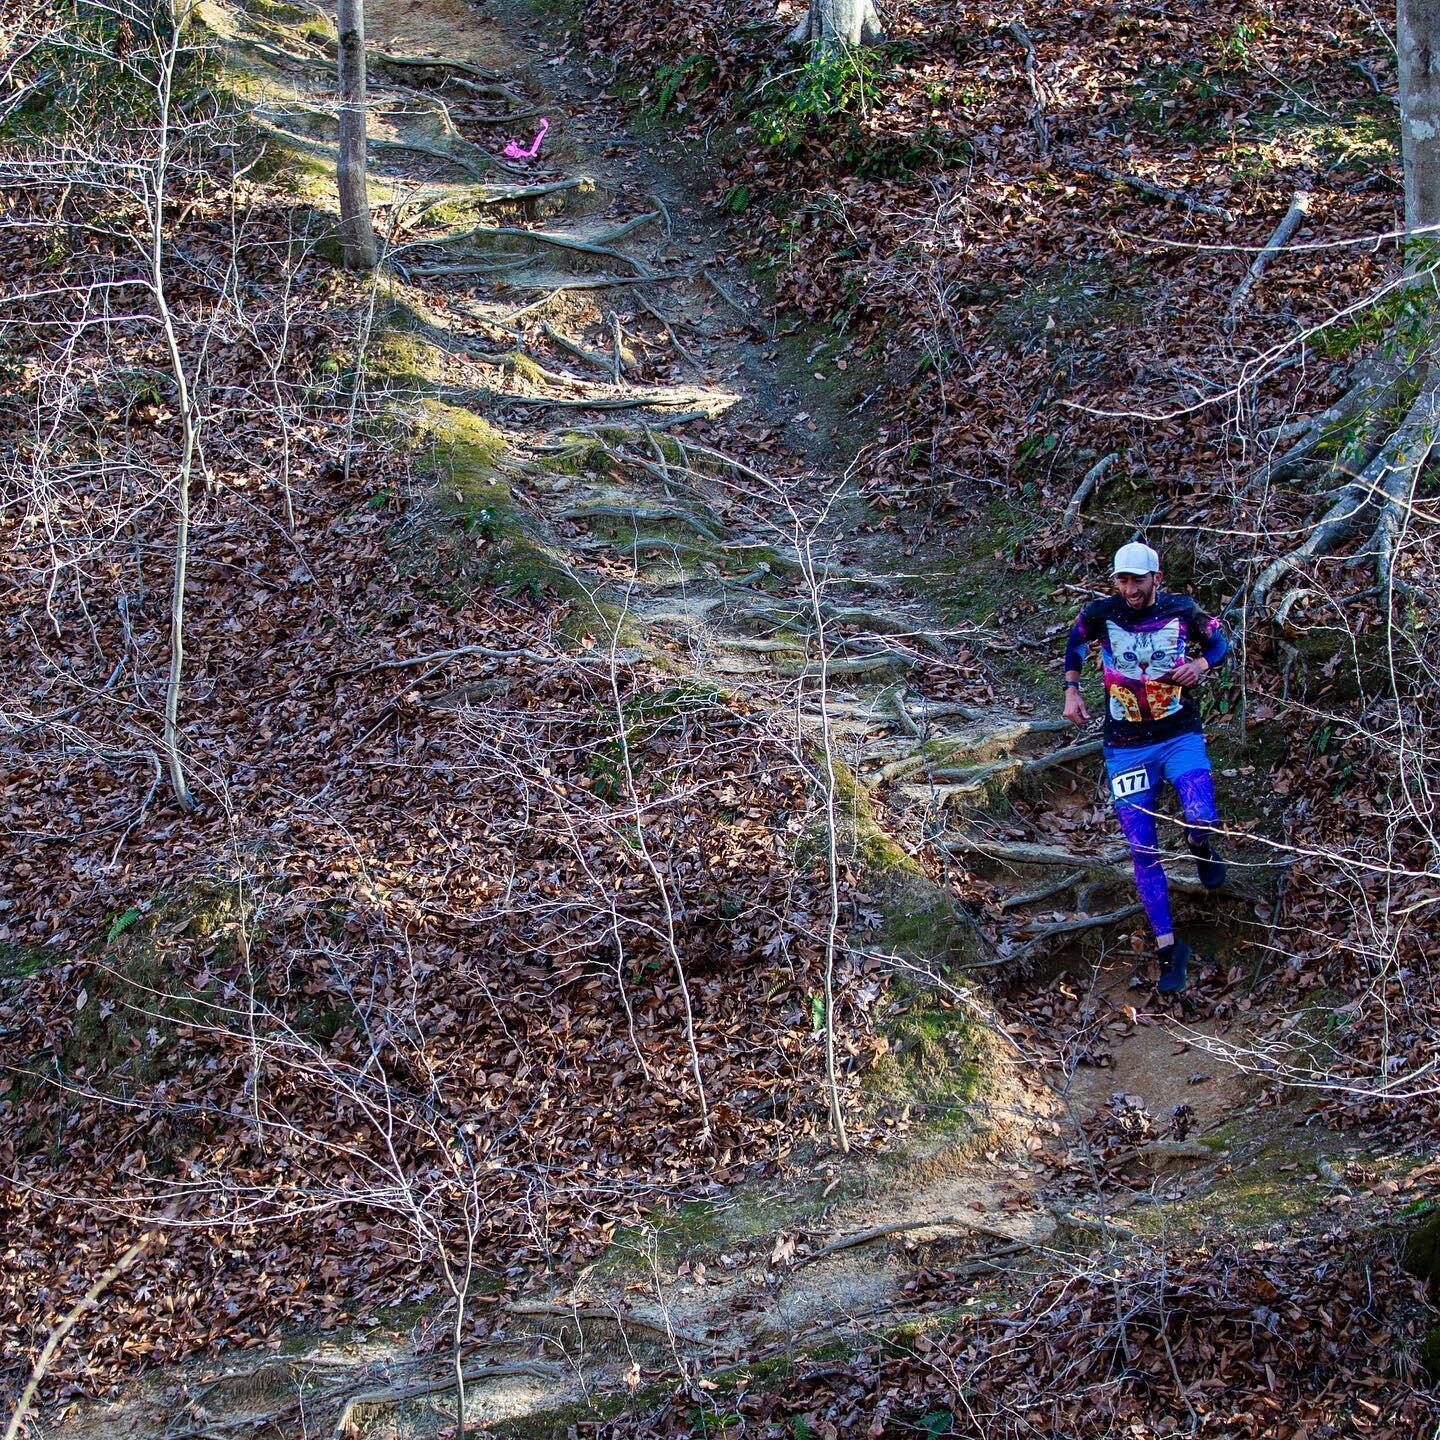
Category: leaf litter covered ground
[406,852]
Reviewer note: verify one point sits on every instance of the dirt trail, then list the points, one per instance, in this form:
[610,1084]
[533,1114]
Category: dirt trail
[591,322]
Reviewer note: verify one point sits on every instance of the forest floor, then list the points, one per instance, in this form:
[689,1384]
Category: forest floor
[1061,1115]
[625,429]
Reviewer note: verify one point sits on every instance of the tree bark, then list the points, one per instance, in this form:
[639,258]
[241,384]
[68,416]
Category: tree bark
[189,422]
[1417,40]
[839,24]
[356,231]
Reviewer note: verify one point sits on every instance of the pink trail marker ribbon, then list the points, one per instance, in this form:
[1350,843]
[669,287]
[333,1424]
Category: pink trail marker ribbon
[516,151]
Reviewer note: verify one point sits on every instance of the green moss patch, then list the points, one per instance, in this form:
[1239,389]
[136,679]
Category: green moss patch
[136,995]
[470,530]
[934,1062]
[1422,1251]
[19,962]
[861,835]
[694,1229]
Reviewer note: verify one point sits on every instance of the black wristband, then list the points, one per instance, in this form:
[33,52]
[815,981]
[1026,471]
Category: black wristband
[1072,684]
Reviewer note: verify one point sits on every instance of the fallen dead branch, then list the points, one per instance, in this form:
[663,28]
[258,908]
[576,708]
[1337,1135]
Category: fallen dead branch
[1295,217]
[1089,483]
[72,1317]
[1037,95]
[1156,192]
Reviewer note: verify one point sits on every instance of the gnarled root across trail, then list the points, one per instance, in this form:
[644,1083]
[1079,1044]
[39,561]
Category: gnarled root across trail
[1376,463]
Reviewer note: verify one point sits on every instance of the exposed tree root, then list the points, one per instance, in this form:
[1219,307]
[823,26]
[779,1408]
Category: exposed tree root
[600,359]
[385,59]
[633,514]
[968,780]
[470,158]
[882,622]
[598,247]
[1034,897]
[1163,1150]
[581,282]
[398,1394]
[620,1318]
[953,745]
[962,1223]
[500,195]
[715,402]
[857,665]
[1077,923]
[732,302]
[686,355]
[1373,390]
[1384,482]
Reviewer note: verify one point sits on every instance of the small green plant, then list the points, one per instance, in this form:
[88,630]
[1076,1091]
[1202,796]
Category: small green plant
[643,717]
[1398,318]
[817,1013]
[844,83]
[1037,446]
[720,1422]
[120,924]
[1235,47]
[685,77]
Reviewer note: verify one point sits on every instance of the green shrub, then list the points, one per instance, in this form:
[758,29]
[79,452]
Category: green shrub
[839,85]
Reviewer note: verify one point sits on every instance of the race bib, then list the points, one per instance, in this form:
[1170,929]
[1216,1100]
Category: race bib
[1132,782]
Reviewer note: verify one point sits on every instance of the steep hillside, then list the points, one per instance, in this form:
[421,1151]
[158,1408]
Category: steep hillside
[600,929]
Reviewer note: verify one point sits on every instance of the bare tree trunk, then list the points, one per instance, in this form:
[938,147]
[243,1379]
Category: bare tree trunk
[357,234]
[188,422]
[1417,41]
[838,24]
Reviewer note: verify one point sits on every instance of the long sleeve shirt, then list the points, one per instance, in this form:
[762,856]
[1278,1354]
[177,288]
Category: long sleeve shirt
[1138,649]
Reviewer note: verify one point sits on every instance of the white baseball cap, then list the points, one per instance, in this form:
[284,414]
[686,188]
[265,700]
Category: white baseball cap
[1135,559]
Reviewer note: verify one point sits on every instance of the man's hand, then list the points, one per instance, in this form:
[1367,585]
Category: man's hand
[1190,673]
[1075,710]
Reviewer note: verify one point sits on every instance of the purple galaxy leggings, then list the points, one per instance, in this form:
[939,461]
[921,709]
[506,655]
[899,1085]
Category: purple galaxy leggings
[1197,800]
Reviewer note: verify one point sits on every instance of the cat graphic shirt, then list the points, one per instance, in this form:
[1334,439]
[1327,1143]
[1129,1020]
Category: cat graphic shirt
[1139,650]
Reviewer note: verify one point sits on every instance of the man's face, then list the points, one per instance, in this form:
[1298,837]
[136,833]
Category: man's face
[1137,591]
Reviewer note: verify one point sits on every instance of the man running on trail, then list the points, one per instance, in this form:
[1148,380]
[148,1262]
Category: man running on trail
[1152,726]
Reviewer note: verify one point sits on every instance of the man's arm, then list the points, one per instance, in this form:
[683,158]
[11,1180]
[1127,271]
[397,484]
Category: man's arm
[1214,647]
[1076,711]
